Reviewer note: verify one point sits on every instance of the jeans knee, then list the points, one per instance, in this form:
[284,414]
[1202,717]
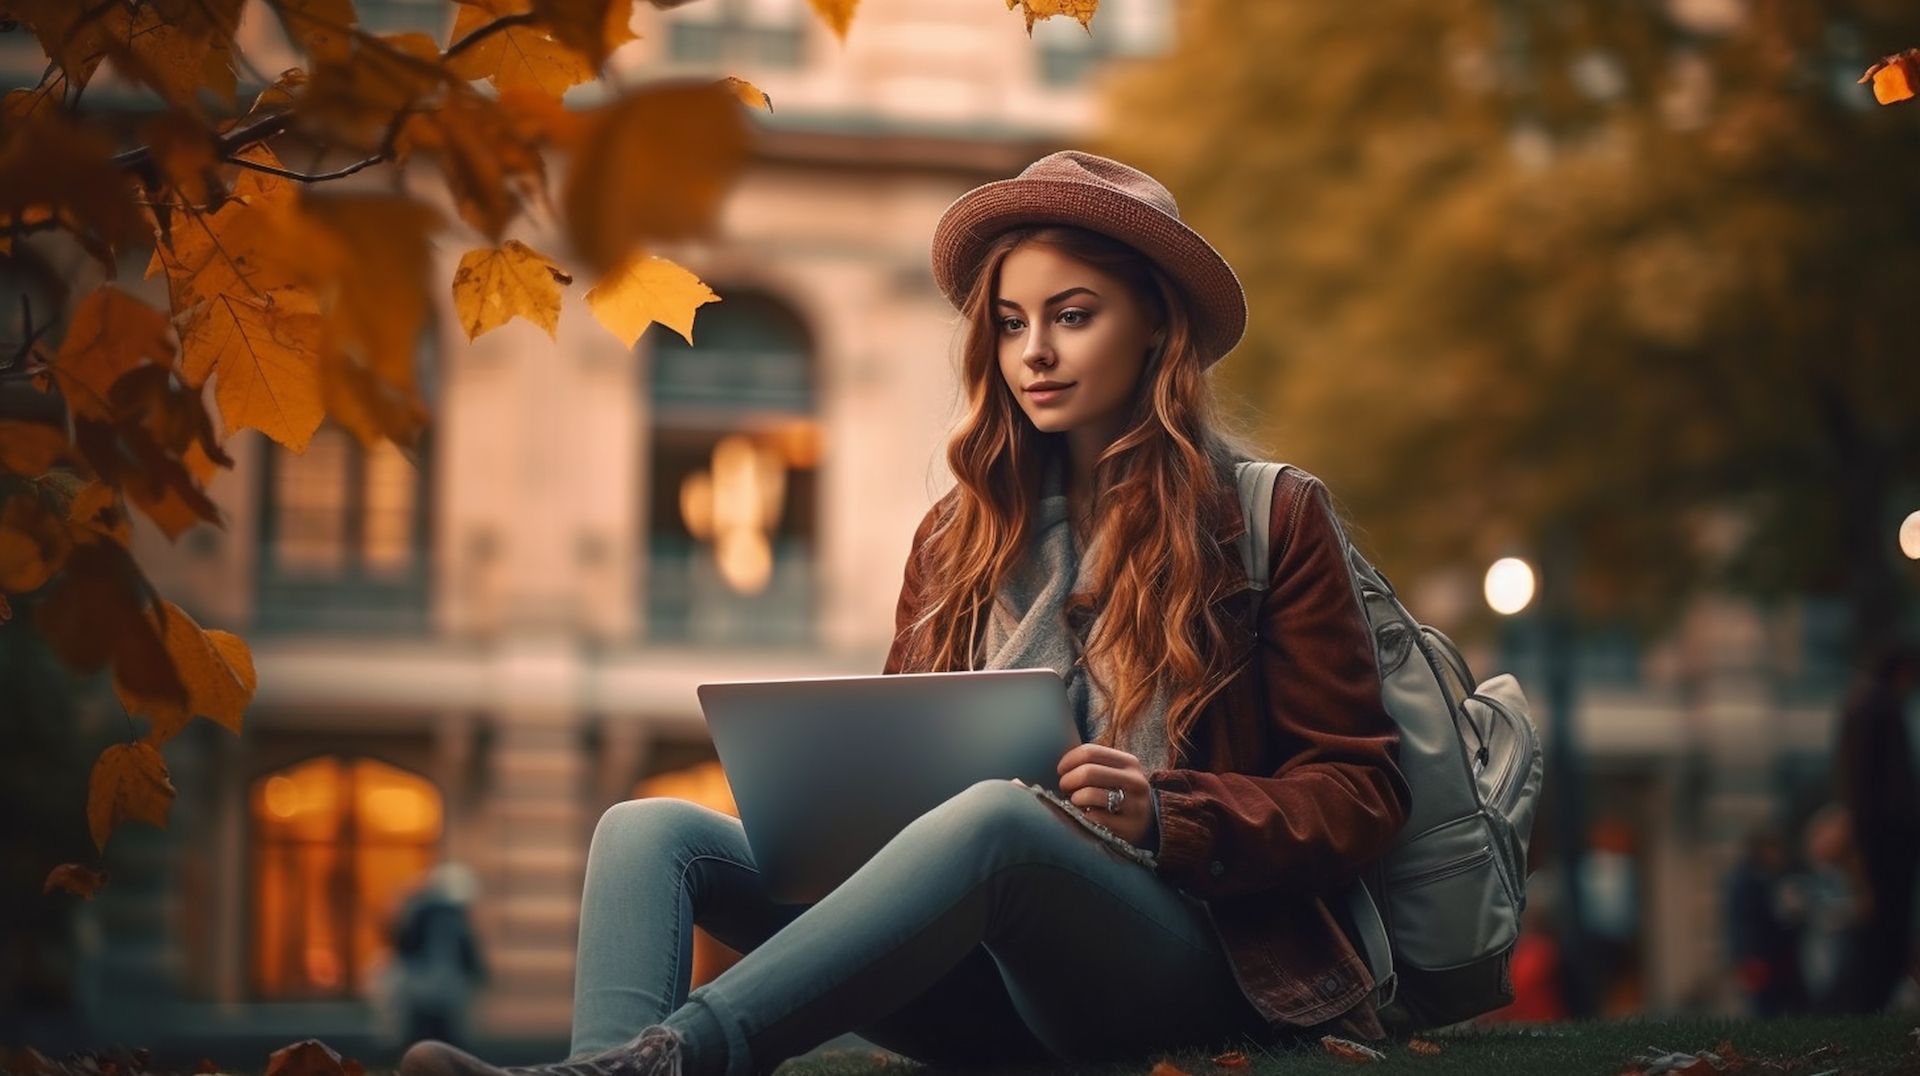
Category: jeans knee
[630,826]
[994,817]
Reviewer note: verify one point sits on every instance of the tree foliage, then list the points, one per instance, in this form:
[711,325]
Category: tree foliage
[1614,272]
[291,302]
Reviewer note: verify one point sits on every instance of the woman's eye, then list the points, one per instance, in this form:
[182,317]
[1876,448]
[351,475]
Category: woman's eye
[1005,324]
[1081,314]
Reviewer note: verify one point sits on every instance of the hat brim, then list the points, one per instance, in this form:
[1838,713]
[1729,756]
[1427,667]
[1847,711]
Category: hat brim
[968,225]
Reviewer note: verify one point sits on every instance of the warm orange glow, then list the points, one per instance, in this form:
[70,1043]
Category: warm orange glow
[704,784]
[281,796]
[337,844]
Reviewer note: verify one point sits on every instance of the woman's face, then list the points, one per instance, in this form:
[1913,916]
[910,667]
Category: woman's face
[1062,321]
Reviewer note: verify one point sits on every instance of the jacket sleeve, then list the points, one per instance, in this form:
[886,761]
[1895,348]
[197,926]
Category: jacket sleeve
[1338,796]
[908,605]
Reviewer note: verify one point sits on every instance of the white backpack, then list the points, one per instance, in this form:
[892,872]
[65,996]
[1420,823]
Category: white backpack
[1437,916]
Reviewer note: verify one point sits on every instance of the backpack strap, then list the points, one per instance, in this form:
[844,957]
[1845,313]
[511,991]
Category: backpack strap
[1257,479]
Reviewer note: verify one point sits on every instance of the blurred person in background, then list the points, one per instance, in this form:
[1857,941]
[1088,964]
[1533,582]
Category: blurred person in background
[437,963]
[1877,773]
[1828,889]
[1764,915]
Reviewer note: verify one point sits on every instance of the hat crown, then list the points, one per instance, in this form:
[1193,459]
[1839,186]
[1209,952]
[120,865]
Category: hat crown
[1076,166]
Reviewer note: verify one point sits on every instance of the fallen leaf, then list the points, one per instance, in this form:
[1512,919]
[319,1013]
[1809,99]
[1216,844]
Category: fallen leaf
[6,609]
[1349,1050]
[75,878]
[1423,1047]
[1232,1059]
[1166,1068]
[308,1057]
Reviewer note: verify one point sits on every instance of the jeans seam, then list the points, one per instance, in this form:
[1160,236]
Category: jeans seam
[680,889]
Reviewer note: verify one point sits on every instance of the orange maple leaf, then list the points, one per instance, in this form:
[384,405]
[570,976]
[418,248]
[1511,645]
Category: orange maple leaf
[1894,77]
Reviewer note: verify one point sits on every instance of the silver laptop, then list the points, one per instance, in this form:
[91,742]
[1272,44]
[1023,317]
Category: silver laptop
[826,770]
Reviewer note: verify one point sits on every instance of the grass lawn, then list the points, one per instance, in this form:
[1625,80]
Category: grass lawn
[1806,1046]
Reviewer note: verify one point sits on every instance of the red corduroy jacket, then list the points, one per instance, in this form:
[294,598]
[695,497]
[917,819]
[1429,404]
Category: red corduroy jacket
[1291,784]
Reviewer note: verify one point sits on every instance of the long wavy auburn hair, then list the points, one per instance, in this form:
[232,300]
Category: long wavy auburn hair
[1157,497]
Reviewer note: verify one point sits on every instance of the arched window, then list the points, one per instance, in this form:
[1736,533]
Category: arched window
[336,843]
[735,449]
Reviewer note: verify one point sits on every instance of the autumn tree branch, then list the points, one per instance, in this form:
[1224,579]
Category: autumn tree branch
[479,34]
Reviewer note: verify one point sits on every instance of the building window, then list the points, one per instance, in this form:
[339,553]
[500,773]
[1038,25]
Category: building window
[343,536]
[735,449]
[336,844]
[1068,53]
[749,33]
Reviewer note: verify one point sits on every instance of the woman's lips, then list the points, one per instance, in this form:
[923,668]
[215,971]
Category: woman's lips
[1041,396]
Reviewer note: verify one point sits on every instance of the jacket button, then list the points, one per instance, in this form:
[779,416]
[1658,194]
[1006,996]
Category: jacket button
[1329,986]
[1216,868]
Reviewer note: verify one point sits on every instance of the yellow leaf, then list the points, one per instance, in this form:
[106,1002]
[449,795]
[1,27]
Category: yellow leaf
[648,289]
[837,14]
[266,354]
[750,95]
[656,166]
[483,153]
[112,332]
[215,666]
[29,449]
[593,27]
[1045,9]
[95,511]
[129,781]
[322,27]
[244,314]
[98,613]
[367,258]
[517,57]
[493,285]
[33,543]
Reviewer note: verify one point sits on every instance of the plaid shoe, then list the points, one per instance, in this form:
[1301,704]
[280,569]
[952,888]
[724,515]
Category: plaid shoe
[656,1051]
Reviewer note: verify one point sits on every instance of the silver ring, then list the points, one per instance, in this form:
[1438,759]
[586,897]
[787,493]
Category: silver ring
[1114,796]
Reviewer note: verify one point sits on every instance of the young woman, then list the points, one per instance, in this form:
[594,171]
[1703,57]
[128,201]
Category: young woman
[1176,889]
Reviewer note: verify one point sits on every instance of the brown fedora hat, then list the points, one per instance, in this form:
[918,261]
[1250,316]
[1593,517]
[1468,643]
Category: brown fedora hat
[1102,195]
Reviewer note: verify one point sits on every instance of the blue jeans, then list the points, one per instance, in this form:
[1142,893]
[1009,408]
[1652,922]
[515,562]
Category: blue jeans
[993,929]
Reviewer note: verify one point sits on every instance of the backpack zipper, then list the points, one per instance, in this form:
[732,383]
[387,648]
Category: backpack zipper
[1499,789]
[1444,870]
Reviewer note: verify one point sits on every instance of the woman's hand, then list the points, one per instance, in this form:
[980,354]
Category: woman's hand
[1089,769]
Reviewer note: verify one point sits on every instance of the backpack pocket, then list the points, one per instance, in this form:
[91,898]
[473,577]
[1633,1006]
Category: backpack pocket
[1448,903]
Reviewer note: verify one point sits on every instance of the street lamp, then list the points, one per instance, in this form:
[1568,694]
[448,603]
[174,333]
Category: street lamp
[1510,587]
